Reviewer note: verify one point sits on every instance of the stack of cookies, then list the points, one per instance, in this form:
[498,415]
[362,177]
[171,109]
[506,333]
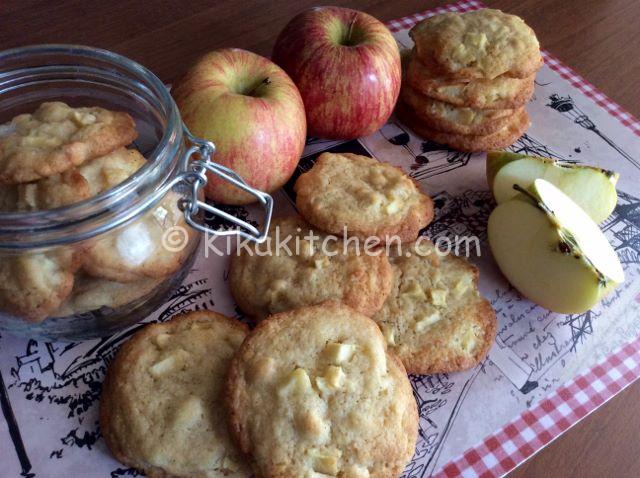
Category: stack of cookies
[467,79]
[57,156]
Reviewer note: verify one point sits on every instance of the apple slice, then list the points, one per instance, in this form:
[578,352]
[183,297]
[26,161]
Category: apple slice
[592,188]
[552,251]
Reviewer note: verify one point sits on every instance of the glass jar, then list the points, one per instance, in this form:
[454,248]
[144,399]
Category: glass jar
[93,267]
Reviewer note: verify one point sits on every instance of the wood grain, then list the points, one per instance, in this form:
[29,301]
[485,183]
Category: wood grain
[600,39]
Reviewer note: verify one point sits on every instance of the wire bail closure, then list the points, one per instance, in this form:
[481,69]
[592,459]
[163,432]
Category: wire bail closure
[195,177]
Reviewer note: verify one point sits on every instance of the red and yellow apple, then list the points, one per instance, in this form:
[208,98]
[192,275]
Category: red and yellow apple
[249,107]
[346,65]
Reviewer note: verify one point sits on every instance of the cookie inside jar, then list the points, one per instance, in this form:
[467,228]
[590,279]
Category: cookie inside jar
[58,157]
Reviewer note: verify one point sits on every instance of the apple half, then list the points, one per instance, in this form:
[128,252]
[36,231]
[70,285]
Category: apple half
[592,188]
[551,251]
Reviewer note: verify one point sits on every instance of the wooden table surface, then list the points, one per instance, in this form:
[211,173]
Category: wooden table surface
[598,38]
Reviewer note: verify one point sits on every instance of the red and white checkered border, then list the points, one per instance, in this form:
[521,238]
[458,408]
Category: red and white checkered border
[502,451]
[590,91]
[577,81]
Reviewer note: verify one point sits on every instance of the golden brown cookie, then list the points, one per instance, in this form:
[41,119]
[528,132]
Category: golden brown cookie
[57,137]
[55,191]
[161,407]
[363,195]
[434,319]
[137,250]
[483,43]
[74,185]
[265,279]
[90,293]
[106,172]
[471,143]
[501,92]
[313,392]
[448,118]
[35,284]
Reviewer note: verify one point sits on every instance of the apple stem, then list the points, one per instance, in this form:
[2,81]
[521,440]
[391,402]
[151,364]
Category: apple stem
[266,81]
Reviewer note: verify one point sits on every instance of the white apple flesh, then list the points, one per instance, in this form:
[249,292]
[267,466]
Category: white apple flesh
[551,251]
[592,188]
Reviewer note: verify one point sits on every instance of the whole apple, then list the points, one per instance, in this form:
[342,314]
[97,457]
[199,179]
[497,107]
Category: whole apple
[346,65]
[249,107]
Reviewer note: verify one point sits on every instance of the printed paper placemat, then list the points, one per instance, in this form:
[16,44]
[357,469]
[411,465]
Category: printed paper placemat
[545,372]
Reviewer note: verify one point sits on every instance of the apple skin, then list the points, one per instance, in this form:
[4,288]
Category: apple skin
[258,125]
[346,65]
[497,159]
[593,188]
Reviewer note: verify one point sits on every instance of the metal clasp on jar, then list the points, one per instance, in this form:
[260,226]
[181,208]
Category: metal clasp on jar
[194,175]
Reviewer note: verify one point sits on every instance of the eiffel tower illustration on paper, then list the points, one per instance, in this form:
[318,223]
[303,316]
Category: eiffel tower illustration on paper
[567,107]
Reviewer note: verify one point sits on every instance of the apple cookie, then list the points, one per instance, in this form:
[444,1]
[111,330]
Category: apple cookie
[132,253]
[74,185]
[106,172]
[470,143]
[136,251]
[55,191]
[483,43]
[57,137]
[34,285]
[265,279]
[434,319]
[314,392]
[502,92]
[161,404]
[449,118]
[364,196]
[90,293]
